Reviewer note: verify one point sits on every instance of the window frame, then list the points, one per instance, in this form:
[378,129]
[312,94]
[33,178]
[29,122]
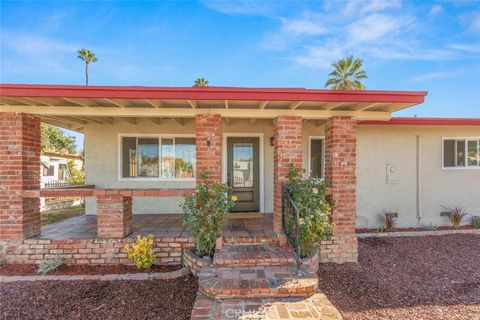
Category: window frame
[466,167]
[309,164]
[149,135]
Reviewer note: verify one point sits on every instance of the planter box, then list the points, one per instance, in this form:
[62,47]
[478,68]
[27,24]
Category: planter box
[194,262]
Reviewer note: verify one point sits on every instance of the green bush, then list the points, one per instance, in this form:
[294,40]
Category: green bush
[314,209]
[476,222]
[205,210]
[47,266]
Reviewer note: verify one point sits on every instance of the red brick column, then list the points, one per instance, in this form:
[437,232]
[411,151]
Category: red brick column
[114,216]
[340,171]
[19,171]
[208,135]
[287,154]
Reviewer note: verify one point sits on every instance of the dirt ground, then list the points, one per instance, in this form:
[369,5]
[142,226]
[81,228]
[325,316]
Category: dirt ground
[435,277]
[159,299]
[401,278]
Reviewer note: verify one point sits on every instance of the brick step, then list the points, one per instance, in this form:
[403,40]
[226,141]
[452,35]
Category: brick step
[273,240]
[253,255]
[259,281]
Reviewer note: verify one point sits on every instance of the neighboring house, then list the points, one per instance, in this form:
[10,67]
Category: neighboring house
[142,139]
[55,173]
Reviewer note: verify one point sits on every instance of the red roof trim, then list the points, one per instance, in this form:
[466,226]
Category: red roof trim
[210,93]
[426,122]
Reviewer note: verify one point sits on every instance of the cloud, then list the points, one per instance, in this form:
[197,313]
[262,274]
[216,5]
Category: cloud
[446,74]
[29,44]
[376,26]
[475,21]
[435,10]
[303,27]
[474,48]
[244,7]
[364,7]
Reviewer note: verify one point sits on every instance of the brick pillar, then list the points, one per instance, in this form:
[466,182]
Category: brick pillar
[19,171]
[114,216]
[287,154]
[208,135]
[340,171]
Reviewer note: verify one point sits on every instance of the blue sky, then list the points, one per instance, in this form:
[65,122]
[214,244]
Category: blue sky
[428,45]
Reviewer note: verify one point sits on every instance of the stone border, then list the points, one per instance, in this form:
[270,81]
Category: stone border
[417,233]
[106,277]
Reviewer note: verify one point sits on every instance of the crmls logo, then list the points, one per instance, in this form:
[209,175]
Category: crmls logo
[243,314]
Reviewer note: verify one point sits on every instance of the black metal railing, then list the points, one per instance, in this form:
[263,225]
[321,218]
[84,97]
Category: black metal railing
[291,223]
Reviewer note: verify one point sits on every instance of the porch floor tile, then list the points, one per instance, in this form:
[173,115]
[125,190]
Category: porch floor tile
[160,225]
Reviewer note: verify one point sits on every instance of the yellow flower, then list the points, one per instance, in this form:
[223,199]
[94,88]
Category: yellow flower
[234,198]
[315,191]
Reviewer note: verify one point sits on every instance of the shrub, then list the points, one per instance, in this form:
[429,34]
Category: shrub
[142,252]
[205,211]
[431,227]
[47,266]
[308,194]
[456,215]
[476,221]
[388,220]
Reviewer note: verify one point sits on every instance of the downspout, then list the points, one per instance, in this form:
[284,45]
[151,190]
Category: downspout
[419,178]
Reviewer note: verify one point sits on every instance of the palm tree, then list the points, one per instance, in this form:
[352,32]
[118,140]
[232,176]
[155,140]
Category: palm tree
[89,57]
[200,82]
[347,74]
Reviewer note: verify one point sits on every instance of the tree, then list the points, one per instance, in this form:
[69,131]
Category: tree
[77,176]
[346,74]
[200,82]
[88,57]
[53,139]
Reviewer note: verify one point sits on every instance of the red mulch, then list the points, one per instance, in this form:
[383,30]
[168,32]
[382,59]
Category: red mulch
[31,269]
[158,299]
[465,227]
[434,277]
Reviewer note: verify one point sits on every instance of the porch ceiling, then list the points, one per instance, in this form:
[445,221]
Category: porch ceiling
[76,106]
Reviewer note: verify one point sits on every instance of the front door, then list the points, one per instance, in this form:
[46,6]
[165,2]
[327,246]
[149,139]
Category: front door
[243,172]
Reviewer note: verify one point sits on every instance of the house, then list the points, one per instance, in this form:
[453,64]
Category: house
[54,172]
[145,147]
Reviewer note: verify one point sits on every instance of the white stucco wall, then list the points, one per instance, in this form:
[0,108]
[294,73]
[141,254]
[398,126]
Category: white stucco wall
[377,146]
[380,145]
[102,156]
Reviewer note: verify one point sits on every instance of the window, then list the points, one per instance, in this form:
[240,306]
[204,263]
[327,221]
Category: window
[158,157]
[461,153]
[48,171]
[316,157]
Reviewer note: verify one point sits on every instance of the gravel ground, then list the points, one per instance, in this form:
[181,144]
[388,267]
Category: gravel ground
[164,299]
[435,277]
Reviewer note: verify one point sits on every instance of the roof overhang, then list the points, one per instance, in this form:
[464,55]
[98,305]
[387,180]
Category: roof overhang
[405,121]
[82,104]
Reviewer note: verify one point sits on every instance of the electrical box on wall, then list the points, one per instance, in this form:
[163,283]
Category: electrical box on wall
[393,173]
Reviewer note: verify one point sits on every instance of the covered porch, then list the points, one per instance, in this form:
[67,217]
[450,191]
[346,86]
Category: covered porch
[159,225]
[272,128]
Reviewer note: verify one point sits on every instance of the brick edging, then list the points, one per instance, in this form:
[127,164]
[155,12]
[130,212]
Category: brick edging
[106,277]
[416,233]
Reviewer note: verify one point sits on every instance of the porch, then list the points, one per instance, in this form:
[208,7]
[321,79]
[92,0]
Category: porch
[159,225]
[132,135]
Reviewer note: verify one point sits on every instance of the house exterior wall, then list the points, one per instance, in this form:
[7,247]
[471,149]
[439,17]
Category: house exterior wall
[102,159]
[377,146]
[380,145]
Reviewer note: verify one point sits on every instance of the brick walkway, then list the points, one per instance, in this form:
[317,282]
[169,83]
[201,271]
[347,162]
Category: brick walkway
[254,276]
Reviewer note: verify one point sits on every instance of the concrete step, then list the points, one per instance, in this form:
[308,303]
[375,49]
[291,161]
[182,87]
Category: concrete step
[257,281]
[253,255]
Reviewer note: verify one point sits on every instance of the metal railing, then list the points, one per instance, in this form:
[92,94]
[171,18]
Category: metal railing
[57,184]
[291,223]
